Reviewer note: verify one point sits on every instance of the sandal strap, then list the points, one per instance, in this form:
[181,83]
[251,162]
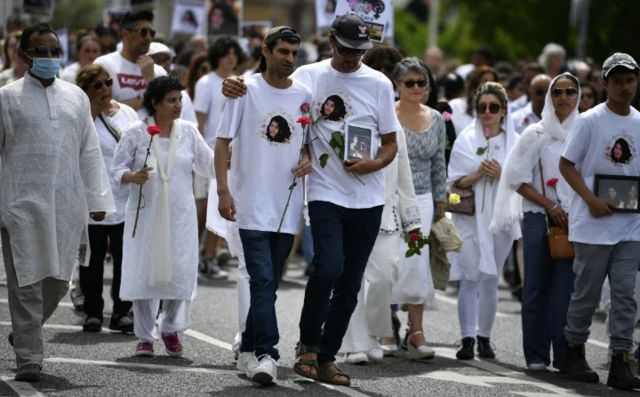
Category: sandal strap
[411,335]
[311,363]
[304,349]
[331,370]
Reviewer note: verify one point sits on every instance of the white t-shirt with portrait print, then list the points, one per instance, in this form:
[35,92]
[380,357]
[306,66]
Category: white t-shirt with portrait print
[365,98]
[128,82]
[266,141]
[590,146]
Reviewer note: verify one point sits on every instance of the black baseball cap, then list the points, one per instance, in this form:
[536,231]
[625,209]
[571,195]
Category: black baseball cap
[351,32]
[619,59]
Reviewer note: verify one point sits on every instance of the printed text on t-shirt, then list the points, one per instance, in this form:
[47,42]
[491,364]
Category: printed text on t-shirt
[131,81]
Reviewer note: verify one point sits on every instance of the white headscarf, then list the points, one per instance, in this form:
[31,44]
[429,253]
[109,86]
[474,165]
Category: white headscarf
[522,160]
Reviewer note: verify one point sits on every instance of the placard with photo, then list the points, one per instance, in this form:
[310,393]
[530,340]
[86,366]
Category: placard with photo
[188,19]
[223,17]
[620,190]
[358,142]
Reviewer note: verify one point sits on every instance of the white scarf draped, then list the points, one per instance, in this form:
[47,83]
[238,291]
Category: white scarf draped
[160,255]
[464,161]
[523,160]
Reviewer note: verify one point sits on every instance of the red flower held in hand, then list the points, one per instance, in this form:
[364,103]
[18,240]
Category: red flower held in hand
[414,237]
[153,130]
[305,107]
[304,121]
[552,182]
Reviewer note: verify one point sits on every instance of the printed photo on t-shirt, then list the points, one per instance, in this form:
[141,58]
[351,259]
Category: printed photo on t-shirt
[620,150]
[278,128]
[334,106]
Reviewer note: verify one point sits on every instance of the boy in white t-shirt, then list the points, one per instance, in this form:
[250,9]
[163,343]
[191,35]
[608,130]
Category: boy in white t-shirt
[132,69]
[604,141]
[267,142]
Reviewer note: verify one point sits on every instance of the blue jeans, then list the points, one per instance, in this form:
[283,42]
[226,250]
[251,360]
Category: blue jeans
[265,254]
[548,285]
[343,239]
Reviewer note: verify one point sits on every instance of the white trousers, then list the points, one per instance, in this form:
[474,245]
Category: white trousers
[174,318]
[244,293]
[477,300]
[372,315]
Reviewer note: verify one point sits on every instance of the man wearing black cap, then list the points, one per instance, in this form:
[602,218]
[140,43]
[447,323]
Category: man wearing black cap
[266,151]
[603,141]
[345,197]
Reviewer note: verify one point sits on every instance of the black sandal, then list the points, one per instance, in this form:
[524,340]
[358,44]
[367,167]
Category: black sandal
[304,349]
[116,324]
[328,372]
[92,326]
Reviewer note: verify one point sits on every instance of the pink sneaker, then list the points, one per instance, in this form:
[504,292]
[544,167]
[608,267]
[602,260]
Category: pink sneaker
[144,349]
[172,344]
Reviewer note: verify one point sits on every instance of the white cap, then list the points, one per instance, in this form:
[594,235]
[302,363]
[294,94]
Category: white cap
[159,48]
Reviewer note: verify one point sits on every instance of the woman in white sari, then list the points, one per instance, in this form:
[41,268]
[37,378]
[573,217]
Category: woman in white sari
[476,163]
[161,261]
[533,162]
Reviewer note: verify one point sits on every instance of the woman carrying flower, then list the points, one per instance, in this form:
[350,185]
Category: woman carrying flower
[476,163]
[161,261]
[533,162]
[111,119]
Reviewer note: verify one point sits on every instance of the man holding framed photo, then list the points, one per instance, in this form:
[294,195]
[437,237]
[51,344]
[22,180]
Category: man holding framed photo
[603,141]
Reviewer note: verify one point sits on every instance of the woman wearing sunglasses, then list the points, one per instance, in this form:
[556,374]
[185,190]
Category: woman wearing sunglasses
[588,98]
[425,133]
[111,119]
[160,260]
[533,162]
[476,163]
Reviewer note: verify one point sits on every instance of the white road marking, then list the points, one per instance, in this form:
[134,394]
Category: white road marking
[22,389]
[506,376]
[208,339]
[171,368]
[63,304]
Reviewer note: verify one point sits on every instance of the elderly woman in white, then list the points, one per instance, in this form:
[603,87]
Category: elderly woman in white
[161,261]
[529,173]
[483,254]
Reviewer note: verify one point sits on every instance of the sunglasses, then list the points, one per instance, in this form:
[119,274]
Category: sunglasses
[571,92]
[588,96]
[540,92]
[42,51]
[204,69]
[144,32]
[348,51]
[98,84]
[411,83]
[494,108]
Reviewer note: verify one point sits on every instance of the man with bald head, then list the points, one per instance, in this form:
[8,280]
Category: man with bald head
[434,58]
[532,113]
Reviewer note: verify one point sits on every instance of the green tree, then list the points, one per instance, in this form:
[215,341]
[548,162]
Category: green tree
[77,14]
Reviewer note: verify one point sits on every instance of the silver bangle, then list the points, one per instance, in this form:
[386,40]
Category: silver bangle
[553,208]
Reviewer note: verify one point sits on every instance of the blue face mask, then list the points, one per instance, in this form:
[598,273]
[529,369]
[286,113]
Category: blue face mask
[45,68]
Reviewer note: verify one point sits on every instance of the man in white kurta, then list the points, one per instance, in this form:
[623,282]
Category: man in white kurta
[54,177]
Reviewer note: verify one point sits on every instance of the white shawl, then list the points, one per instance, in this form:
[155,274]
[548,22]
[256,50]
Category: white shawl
[523,159]
[464,161]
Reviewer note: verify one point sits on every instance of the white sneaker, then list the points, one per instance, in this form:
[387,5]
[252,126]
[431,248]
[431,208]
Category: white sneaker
[537,367]
[266,372]
[247,363]
[216,273]
[375,353]
[359,358]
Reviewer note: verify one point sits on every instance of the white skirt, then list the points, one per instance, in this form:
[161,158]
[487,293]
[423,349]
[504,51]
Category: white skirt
[415,284]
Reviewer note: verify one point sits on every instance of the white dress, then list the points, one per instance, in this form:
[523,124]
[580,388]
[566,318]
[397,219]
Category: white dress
[193,154]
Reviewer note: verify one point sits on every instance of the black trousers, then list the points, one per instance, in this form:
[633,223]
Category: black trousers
[92,277]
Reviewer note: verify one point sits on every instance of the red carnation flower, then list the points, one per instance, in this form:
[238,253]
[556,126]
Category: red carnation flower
[304,121]
[552,182]
[153,130]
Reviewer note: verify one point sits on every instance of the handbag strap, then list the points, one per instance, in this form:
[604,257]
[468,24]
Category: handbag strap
[544,192]
[115,134]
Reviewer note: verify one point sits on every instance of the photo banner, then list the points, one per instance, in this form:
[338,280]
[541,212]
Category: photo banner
[224,17]
[188,18]
[377,14]
[41,9]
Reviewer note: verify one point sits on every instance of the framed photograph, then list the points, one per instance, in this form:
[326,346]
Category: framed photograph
[620,190]
[358,142]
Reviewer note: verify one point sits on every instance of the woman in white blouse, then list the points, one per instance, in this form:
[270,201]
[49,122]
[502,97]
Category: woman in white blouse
[533,162]
[161,261]
[111,119]
[483,253]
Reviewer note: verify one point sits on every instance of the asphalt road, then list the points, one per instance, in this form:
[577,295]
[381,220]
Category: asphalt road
[81,364]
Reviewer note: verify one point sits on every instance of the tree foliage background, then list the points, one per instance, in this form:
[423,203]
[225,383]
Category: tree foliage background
[515,28]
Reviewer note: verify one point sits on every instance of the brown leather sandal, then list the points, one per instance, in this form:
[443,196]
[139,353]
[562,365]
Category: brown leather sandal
[304,349]
[328,372]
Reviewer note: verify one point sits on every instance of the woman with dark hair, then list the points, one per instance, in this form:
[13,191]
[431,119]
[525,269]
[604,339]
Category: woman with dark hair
[199,67]
[160,260]
[463,108]
[588,98]
[278,130]
[222,19]
[333,108]
[88,49]
[620,152]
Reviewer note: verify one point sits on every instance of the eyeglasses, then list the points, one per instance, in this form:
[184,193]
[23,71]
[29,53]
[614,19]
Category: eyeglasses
[348,51]
[540,92]
[144,32]
[411,83]
[42,51]
[204,69]
[588,96]
[570,91]
[98,84]
[494,108]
